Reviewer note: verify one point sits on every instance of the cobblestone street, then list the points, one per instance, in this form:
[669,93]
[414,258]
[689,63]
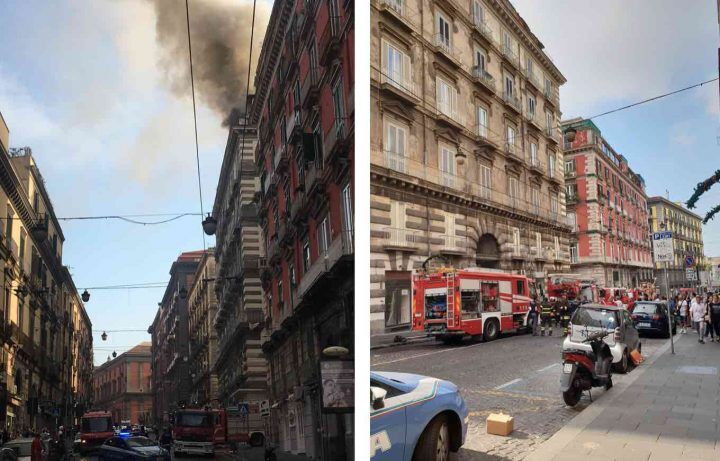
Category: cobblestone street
[518,375]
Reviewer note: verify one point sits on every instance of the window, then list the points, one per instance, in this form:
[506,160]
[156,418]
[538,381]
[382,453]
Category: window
[396,66]
[554,203]
[549,121]
[516,239]
[306,256]
[538,242]
[485,181]
[338,101]
[531,106]
[513,187]
[571,190]
[510,135]
[480,61]
[397,214]
[535,198]
[572,221]
[570,167]
[22,247]
[317,142]
[509,85]
[395,142]
[443,30]
[281,296]
[507,42]
[446,97]
[482,122]
[557,247]
[447,165]
[548,86]
[347,208]
[551,164]
[534,161]
[573,253]
[323,235]
[478,13]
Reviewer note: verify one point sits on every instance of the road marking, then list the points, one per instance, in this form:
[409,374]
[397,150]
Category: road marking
[425,355]
[508,384]
[547,368]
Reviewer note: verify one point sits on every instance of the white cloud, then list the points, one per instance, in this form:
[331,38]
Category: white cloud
[619,50]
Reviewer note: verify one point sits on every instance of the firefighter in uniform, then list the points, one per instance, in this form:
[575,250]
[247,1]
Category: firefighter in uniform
[563,313]
[547,316]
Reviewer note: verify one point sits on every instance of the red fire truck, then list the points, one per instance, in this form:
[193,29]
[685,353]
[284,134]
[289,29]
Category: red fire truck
[476,302]
[192,432]
[573,286]
[95,428]
[239,424]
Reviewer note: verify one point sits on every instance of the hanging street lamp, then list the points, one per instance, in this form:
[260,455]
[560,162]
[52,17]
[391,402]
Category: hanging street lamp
[209,225]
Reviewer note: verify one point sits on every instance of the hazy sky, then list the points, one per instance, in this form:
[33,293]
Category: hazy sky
[80,83]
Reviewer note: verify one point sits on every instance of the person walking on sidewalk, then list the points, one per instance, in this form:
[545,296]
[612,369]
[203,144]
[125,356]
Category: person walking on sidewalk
[533,316]
[683,314]
[698,312]
[714,312]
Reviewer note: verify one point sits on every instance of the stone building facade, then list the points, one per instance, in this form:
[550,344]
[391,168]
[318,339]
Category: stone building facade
[466,158]
[304,110]
[123,386]
[686,227]
[607,205]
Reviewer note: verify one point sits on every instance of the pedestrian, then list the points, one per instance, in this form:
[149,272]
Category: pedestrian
[533,316]
[36,449]
[698,313]
[714,311]
[683,314]
[547,316]
[563,314]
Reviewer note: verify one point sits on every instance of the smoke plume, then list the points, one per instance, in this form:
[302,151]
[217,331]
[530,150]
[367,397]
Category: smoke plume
[220,32]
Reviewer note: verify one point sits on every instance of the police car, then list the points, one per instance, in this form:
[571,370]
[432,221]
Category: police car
[415,417]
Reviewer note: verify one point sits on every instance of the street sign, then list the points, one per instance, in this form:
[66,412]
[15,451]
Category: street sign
[244,408]
[689,261]
[663,246]
[691,275]
[264,408]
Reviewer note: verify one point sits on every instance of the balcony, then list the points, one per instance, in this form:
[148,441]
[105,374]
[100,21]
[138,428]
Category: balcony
[534,163]
[484,78]
[569,174]
[510,56]
[551,95]
[571,199]
[297,206]
[406,240]
[329,42]
[450,116]
[273,250]
[280,159]
[336,143]
[314,181]
[513,151]
[532,78]
[293,132]
[451,244]
[396,11]
[445,49]
[533,119]
[399,85]
[512,101]
[482,136]
[340,247]
[310,88]
[482,30]
[283,234]
[552,134]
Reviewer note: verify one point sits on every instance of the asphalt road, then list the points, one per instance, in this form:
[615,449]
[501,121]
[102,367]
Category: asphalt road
[516,375]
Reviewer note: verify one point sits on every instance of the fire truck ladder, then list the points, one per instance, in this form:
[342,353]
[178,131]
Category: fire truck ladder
[450,311]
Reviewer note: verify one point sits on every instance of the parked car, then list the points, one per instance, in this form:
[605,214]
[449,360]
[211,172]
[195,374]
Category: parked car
[22,447]
[132,449]
[591,318]
[415,417]
[652,317]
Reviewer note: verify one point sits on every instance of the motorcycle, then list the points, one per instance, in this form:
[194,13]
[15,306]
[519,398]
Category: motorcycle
[270,453]
[583,370]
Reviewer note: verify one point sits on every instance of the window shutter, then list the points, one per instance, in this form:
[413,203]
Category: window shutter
[407,70]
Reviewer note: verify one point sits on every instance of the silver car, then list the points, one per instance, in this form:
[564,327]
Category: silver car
[590,318]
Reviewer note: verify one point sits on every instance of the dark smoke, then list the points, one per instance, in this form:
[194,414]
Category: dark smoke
[220,32]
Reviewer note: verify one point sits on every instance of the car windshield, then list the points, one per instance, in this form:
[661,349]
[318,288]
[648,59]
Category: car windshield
[140,442]
[600,318]
[645,309]
[96,425]
[193,419]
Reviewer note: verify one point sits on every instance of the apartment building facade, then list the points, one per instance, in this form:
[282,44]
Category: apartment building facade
[607,204]
[46,339]
[170,367]
[202,350]
[304,110]
[123,386]
[466,157]
[686,227]
[239,363]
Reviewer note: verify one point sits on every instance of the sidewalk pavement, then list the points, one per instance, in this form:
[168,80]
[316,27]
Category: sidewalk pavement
[670,410]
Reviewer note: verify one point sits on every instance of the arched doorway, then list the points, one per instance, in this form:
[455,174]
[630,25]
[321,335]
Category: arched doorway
[488,252]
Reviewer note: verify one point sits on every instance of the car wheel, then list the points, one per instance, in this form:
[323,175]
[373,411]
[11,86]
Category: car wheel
[622,366]
[491,330]
[434,443]
[572,396]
